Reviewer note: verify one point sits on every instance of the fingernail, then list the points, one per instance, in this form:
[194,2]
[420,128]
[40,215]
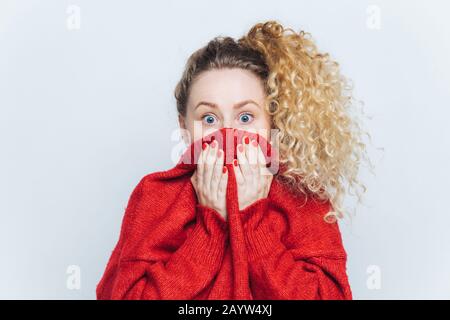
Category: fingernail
[254,143]
[246,140]
[224,169]
[214,144]
[204,145]
[235,163]
[240,148]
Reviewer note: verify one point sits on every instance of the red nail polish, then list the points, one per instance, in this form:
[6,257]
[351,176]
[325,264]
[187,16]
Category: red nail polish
[246,140]
[224,169]
[235,163]
[240,148]
[204,145]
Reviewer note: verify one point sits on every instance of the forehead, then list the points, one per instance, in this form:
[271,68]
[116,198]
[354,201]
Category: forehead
[226,86]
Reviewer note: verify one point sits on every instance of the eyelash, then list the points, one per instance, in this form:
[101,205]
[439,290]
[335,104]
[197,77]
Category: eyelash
[244,113]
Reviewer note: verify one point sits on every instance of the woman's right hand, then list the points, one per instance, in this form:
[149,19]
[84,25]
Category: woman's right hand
[210,178]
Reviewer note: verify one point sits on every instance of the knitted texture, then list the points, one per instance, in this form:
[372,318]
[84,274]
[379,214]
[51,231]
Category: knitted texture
[172,247]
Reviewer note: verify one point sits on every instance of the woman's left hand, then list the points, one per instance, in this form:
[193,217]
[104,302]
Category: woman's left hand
[252,176]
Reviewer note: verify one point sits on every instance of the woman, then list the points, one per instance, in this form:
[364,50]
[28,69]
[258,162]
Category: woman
[225,226]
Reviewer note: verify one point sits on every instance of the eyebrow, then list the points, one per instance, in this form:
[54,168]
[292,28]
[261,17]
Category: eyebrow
[236,106]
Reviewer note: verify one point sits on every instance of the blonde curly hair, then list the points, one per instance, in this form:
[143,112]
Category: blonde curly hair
[320,143]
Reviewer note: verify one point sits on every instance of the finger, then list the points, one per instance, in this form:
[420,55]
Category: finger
[252,155]
[238,173]
[264,175]
[222,190]
[201,166]
[264,171]
[193,182]
[269,183]
[218,167]
[210,161]
[243,162]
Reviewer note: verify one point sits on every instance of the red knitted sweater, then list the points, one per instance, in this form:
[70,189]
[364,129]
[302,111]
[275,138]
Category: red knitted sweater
[171,247]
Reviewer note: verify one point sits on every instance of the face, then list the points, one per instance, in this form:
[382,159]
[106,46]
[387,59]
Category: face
[230,98]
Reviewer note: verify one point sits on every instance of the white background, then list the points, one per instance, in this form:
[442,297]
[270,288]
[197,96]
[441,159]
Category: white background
[85,113]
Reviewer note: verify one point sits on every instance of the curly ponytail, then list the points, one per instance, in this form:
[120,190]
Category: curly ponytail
[310,103]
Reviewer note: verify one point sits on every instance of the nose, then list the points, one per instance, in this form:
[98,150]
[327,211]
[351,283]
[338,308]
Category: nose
[227,124]
[228,121]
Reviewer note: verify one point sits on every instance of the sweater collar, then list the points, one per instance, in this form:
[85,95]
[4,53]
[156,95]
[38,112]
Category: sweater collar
[228,139]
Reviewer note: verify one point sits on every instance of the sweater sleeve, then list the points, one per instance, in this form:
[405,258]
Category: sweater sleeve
[184,275]
[282,273]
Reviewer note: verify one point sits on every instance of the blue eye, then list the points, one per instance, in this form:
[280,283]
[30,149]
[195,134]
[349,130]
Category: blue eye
[246,117]
[209,119]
